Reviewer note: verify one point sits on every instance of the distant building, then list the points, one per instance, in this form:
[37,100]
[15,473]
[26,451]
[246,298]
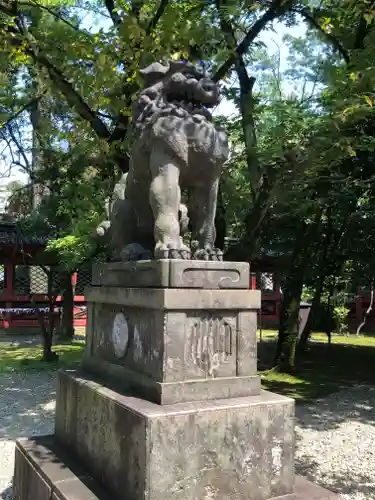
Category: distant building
[8,186]
[4,195]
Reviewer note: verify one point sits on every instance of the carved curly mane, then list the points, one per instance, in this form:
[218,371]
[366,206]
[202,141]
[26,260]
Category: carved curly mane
[175,89]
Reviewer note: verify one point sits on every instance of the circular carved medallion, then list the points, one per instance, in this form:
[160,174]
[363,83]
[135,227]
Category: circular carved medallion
[120,335]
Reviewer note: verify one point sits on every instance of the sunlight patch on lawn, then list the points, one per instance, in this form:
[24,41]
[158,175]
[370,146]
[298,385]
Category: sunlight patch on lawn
[361,340]
[20,358]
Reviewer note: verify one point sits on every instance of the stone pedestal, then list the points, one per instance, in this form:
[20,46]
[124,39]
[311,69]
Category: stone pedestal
[223,448]
[168,403]
[174,345]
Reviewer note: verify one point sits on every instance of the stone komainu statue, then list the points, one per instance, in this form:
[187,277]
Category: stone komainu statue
[175,147]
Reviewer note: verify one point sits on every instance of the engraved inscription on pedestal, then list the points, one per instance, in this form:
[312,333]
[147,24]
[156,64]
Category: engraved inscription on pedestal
[120,335]
[209,344]
[175,346]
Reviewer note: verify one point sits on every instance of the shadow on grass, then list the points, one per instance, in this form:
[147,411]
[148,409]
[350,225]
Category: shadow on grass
[322,370]
[20,358]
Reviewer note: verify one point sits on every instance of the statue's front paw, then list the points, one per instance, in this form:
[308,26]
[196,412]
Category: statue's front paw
[206,253]
[217,254]
[172,251]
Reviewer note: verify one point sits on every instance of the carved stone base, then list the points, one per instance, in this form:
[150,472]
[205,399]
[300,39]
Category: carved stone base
[232,449]
[174,345]
[45,471]
[173,273]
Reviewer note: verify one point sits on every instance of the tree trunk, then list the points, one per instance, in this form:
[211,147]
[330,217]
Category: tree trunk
[329,264]
[48,354]
[247,247]
[36,149]
[310,320]
[368,311]
[292,291]
[47,330]
[220,222]
[254,219]
[330,325]
[67,316]
[288,327]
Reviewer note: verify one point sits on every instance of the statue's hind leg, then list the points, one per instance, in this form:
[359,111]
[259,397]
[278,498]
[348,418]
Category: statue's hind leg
[165,197]
[202,210]
[137,226]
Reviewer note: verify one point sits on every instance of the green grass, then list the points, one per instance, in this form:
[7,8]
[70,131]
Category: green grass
[23,359]
[323,369]
[362,340]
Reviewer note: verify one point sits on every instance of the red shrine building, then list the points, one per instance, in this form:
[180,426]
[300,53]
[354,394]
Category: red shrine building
[24,284]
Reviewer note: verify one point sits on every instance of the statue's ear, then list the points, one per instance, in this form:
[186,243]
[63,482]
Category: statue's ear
[184,67]
[175,66]
[154,73]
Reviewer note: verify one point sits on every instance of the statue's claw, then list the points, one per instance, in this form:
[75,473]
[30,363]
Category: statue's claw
[218,254]
[206,253]
[172,251]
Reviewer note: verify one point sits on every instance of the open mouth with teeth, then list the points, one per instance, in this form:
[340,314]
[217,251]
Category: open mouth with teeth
[194,93]
[193,106]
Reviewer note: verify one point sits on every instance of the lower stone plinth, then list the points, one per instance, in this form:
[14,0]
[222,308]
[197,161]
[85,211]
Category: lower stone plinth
[305,489]
[44,471]
[237,449]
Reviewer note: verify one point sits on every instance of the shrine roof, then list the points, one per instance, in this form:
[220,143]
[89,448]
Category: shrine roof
[265,260]
[11,234]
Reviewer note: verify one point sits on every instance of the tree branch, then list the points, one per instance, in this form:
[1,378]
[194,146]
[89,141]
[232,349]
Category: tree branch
[158,15]
[246,98]
[116,19]
[25,107]
[5,138]
[73,98]
[337,46]
[363,30]
[136,6]
[21,151]
[120,130]
[277,8]
[57,16]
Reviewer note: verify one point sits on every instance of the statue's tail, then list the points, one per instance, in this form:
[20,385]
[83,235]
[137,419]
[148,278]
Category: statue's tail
[102,233]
